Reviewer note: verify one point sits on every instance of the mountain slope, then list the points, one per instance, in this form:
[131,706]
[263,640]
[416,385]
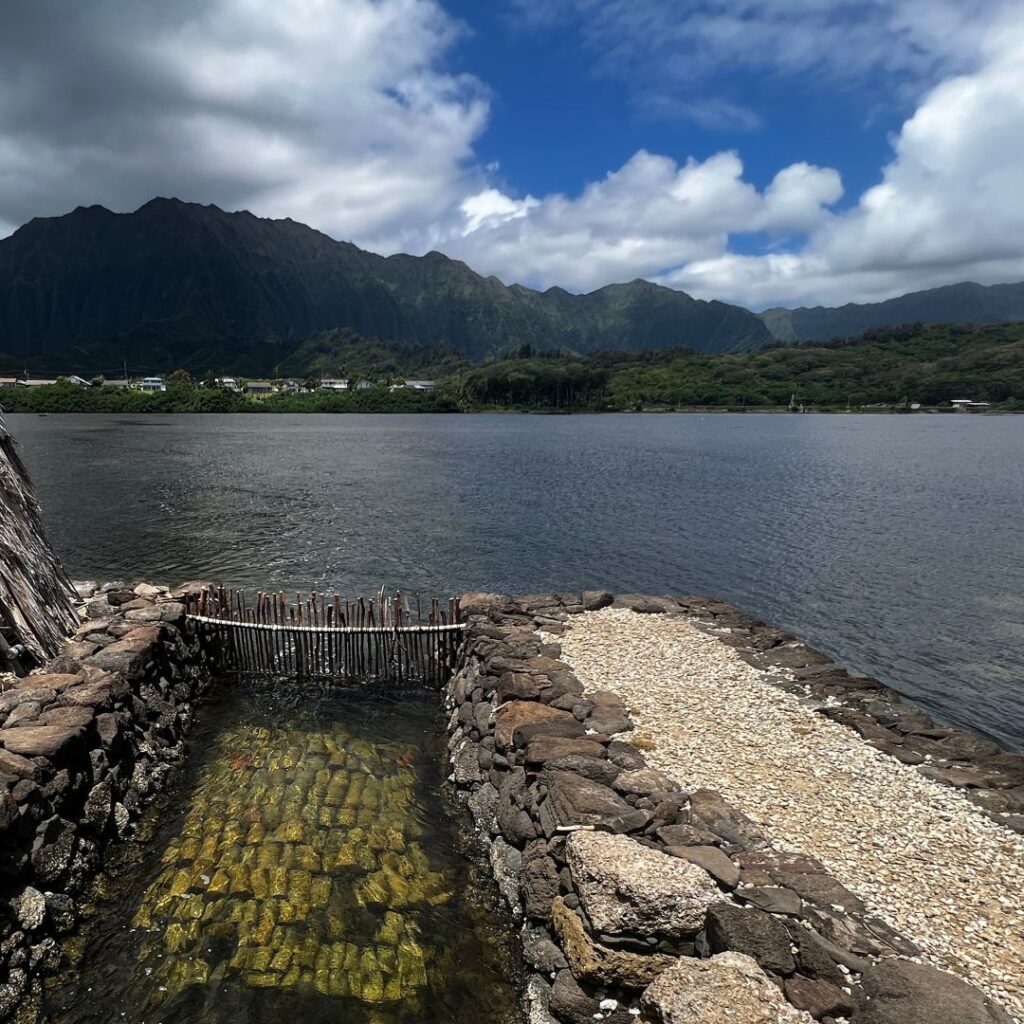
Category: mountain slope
[953,304]
[180,284]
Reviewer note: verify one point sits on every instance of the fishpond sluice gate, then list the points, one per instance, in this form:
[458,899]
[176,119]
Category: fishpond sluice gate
[180,843]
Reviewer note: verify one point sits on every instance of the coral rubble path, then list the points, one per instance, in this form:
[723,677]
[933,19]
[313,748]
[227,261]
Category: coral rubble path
[916,852]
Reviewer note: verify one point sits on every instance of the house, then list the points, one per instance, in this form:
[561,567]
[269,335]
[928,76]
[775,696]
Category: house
[333,384]
[125,383]
[292,387]
[259,388]
[227,383]
[152,384]
[420,385]
[8,382]
[969,405]
[42,382]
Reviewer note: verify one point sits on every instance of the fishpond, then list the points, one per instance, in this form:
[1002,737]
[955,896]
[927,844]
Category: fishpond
[306,866]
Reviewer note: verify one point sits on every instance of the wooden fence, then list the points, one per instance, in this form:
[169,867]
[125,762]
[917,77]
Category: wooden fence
[377,640]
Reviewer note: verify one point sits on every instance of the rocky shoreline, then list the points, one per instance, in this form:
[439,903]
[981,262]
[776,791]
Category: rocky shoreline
[640,898]
[85,743]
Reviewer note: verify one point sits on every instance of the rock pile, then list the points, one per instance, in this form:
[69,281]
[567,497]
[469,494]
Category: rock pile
[638,898]
[84,744]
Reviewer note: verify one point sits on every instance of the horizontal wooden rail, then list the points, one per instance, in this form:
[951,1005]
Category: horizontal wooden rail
[386,639]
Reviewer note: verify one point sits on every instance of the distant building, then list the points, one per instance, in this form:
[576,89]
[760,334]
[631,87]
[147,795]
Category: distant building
[259,388]
[420,385]
[152,384]
[292,387]
[42,382]
[8,382]
[333,384]
[116,384]
[228,384]
[969,405]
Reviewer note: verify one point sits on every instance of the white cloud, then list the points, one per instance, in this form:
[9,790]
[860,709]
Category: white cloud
[335,112]
[343,114]
[949,207]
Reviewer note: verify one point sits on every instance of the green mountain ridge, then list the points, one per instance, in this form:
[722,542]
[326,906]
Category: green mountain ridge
[178,284]
[951,304]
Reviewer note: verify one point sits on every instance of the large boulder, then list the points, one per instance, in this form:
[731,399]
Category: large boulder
[628,888]
[727,989]
[592,961]
[545,749]
[903,992]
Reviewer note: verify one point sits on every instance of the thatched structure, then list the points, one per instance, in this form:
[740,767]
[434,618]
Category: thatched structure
[36,610]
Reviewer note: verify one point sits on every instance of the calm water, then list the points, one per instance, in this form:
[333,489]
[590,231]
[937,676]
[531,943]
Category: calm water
[894,543]
[303,869]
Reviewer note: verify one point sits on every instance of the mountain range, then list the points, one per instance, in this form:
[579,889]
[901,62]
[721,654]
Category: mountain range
[179,284]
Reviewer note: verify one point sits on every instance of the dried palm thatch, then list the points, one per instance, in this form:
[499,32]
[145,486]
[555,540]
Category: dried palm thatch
[36,610]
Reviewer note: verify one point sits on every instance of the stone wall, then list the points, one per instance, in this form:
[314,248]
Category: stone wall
[84,744]
[637,899]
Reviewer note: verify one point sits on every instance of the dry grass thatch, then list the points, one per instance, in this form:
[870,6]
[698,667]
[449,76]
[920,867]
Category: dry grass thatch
[35,595]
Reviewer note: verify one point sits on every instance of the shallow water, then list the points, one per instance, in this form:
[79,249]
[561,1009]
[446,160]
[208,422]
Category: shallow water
[303,868]
[894,543]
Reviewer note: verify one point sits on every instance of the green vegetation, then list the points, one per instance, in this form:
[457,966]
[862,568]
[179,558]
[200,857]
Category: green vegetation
[185,398]
[887,367]
[884,367]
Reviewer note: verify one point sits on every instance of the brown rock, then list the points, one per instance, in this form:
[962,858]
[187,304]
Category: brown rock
[69,717]
[16,765]
[50,741]
[591,961]
[50,681]
[544,749]
[517,723]
[575,800]
[752,932]
[818,998]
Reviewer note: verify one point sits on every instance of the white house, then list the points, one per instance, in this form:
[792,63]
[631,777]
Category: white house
[152,384]
[259,388]
[333,384]
[969,405]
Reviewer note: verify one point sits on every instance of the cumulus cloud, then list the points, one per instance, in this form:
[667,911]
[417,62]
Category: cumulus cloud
[336,112]
[949,207]
[650,215]
[345,114]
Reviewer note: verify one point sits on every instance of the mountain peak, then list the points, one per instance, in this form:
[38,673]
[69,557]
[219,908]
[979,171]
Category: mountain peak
[243,293]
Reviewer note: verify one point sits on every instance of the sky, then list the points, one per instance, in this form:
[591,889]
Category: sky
[763,152]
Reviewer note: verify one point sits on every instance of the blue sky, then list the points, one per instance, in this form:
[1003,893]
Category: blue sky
[758,151]
[556,116]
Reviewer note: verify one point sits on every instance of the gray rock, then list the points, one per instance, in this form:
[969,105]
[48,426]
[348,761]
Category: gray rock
[29,908]
[645,781]
[626,887]
[709,809]
[593,600]
[505,864]
[712,860]
[774,899]
[540,952]
[727,989]
[902,992]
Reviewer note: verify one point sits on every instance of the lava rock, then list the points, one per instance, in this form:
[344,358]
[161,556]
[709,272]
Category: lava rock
[753,933]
